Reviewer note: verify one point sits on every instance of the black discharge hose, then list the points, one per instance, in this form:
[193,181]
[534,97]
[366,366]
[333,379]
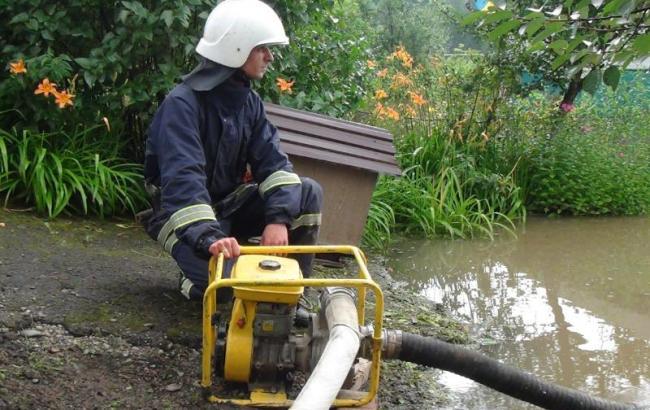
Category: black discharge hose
[489,372]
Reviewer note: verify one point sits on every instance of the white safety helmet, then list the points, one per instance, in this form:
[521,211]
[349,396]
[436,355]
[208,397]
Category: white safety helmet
[235,27]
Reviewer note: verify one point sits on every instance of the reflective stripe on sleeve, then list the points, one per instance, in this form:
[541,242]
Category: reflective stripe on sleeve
[306,220]
[278,178]
[184,217]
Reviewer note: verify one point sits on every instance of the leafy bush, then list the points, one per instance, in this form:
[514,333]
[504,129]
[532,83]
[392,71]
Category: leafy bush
[60,172]
[592,161]
[591,168]
[113,62]
[444,117]
[325,60]
[120,58]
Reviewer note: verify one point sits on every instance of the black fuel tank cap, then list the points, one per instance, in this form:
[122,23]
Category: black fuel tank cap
[269,264]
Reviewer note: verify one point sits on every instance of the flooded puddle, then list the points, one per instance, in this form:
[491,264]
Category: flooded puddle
[568,300]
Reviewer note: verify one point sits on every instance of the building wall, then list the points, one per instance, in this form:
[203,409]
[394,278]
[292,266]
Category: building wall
[347,193]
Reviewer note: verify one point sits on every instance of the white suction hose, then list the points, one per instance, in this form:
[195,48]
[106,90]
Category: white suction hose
[338,357]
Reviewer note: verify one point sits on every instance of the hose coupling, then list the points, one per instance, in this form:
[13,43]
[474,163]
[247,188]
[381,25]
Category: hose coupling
[391,342]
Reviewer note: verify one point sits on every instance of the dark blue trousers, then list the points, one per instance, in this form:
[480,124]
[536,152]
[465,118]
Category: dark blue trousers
[248,222]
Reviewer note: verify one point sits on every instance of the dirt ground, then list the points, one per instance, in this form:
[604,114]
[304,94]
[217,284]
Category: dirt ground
[90,318]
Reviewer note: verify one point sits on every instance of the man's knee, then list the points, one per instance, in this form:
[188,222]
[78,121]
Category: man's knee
[312,194]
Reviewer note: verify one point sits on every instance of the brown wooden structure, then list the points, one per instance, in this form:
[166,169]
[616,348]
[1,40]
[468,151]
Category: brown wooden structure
[344,157]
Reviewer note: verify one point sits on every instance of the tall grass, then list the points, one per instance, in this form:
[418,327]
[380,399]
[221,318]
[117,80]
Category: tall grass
[61,172]
[445,203]
[443,118]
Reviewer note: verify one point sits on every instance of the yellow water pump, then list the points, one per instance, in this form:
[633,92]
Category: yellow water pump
[261,338]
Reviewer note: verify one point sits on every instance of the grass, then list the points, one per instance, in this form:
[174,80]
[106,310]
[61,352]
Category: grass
[593,161]
[60,172]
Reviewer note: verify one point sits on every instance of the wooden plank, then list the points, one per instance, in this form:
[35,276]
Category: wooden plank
[320,130]
[334,141]
[337,148]
[334,123]
[338,159]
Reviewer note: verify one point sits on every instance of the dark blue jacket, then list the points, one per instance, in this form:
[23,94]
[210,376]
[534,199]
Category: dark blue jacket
[198,147]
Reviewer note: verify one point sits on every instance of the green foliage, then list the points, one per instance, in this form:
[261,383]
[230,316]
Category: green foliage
[443,116]
[381,220]
[120,58]
[445,191]
[577,40]
[422,27]
[60,172]
[597,162]
[326,59]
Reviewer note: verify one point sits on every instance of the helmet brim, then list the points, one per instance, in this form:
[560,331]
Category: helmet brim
[207,75]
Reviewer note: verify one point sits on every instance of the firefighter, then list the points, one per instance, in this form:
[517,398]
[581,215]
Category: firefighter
[213,165]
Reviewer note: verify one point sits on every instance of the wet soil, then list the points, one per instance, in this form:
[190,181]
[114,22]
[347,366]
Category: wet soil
[90,318]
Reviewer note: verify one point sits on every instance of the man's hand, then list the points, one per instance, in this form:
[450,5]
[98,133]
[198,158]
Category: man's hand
[228,246]
[275,235]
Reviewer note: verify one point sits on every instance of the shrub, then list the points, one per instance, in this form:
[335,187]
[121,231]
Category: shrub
[590,170]
[592,161]
[122,58]
[60,172]
[444,117]
[119,57]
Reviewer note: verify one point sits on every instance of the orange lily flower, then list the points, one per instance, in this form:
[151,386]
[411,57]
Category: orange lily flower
[417,98]
[45,88]
[371,64]
[400,80]
[380,94]
[403,55]
[17,67]
[411,111]
[284,85]
[382,73]
[62,98]
[392,114]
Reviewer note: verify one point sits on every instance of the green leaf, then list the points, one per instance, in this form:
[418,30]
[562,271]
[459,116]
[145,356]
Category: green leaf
[498,16]
[89,78]
[472,18]
[534,26]
[503,28]
[549,31]
[642,44]
[168,17]
[19,18]
[47,35]
[577,56]
[611,77]
[574,43]
[592,81]
[612,6]
[560,60]
[534,15]
[85,63]
[559,46]
[626,8]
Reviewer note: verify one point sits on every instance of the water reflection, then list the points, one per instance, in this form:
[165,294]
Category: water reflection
[568,300]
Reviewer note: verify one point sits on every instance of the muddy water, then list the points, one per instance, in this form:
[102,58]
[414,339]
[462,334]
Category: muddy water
[568,300]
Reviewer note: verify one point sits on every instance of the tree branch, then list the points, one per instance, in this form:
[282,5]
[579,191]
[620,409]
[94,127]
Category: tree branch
[592,19]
